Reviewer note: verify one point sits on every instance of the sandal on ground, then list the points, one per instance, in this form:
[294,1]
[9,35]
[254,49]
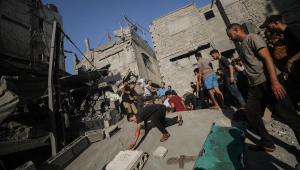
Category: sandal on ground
[165,137]
[180,122]
[297,167]
[261,148]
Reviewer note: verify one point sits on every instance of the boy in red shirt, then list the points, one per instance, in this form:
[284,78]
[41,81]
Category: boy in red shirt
[175,102]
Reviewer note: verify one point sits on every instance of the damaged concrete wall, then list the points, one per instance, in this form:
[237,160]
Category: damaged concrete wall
[256,11]
[178,35]
[26,33]
[129,51]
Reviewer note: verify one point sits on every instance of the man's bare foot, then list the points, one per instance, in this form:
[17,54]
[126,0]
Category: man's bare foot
[179,121]
[297,167]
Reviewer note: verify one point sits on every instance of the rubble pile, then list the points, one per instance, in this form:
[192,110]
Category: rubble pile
[281,131]
[88,101]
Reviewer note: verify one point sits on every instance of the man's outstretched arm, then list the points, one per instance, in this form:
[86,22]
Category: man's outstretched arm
[137,134]
[277,88]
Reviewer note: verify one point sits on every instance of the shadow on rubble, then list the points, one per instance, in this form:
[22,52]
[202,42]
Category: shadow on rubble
[229,113]
[271,161]
[150,126]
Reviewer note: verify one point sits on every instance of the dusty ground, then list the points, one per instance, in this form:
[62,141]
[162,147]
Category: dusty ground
[185,140]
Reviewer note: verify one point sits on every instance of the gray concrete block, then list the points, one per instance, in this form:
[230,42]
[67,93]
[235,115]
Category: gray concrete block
[27,166]
[66,155]
[110,131]
[95,135]
[128,160]
[160,152]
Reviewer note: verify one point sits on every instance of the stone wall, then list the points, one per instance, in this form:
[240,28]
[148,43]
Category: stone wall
[26,33]
[178,35]
[256,11]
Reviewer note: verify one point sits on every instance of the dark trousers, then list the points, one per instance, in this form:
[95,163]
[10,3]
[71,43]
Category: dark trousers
[191,98]
[159,120]
[258,98]
[200,100]
[234,91]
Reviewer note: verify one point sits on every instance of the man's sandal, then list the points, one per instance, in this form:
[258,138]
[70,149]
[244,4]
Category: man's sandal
[261,148]
[165,137]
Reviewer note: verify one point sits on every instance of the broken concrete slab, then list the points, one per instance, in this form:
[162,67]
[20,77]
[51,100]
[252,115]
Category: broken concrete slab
[27,166]
[95,135]
[160,152]
[110,131]
[66,155]
[128,160]
[197,123]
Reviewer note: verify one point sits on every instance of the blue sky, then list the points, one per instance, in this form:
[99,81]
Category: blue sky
[90,18]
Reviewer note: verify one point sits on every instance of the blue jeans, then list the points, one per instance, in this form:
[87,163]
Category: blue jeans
[234,91]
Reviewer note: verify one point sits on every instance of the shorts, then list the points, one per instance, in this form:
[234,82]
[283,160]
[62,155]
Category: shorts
[211,81]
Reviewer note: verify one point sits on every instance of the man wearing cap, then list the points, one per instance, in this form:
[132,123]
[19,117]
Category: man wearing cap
[267,87]
[291,34]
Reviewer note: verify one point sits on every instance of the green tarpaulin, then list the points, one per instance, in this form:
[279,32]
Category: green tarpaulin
[222,149]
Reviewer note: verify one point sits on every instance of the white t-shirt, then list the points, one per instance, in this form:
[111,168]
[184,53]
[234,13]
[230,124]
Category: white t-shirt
[166,103]
[240,68]
[147,91]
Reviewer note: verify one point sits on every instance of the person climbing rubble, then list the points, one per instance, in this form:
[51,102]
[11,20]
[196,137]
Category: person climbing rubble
[156,113]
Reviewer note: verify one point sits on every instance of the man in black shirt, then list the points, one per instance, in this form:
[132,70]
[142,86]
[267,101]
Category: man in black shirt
[157,114]
[172,91]
[194,88]
[292,35]
[230,77]
[127,98]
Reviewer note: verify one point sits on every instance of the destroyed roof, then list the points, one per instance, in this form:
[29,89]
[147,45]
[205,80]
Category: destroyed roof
[108,45]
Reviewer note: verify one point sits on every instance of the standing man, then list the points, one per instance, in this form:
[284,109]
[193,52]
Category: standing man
[162,90]
[210,79]
[172,91]
[230,77]
[292,35]
[198,89]
[267,86]
[127,98]
[176,103]
[157,114]
[148,89]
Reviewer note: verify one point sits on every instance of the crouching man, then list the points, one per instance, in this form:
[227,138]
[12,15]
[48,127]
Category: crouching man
[157,114]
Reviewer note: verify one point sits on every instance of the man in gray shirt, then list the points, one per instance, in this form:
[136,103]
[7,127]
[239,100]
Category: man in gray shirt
[210,79]
[267,86]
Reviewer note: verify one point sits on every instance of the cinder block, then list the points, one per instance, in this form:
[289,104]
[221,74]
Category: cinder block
[160,152]
[27,166]
[95,135]
[110,131]
[66,155]
[128,160]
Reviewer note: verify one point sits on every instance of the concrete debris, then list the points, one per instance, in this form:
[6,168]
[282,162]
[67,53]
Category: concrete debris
[160,152]
[110,131]
[95,135]
[66,155]
[27,166]
[128,160]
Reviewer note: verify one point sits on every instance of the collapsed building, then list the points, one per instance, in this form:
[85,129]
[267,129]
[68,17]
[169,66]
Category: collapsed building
[178,35]
[127,52]
[43,109]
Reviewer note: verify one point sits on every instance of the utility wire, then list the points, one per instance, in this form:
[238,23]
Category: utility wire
[81,52]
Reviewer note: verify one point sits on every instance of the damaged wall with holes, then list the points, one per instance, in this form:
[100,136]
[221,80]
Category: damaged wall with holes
[255,11]
[178,35]
[127,52]
[26,33]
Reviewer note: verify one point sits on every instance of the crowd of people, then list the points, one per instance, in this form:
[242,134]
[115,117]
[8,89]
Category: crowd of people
[267,72]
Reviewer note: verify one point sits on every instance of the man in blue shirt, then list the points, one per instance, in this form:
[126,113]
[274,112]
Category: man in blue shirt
[162,90]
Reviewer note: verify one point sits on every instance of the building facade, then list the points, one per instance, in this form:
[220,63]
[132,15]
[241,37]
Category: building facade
[178,35]
[26,33]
